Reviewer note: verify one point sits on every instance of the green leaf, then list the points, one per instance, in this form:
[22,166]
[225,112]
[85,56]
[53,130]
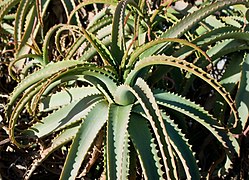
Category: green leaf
[87,2]
[190,21]
[198,114]
[145,145]
[6,7]
[36,77]
[64,137]
[176,62]
[69,6]
[242,94]
[46,42]
[140,50]
[182,149]
[64,116]
[85,136]
[65,97]
[146,99]
[118,33]
[123,96]
[117,141]
[103,51]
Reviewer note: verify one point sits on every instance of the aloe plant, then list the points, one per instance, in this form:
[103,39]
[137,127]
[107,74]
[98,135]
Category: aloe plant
[107,95]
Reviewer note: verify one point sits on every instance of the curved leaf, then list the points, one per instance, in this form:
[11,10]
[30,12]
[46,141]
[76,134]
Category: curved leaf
[65,97]
[63,138]
[118,34]
[64,116]
[176,62]
[189,21]
[103,51]
[135,54]
[198,114]
[87,2]
[83,140]
[36,77]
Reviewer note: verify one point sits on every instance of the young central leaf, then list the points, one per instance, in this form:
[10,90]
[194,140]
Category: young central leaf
[123,96]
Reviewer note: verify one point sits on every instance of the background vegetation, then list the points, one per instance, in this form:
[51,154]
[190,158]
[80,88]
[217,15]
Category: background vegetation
[132,89]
